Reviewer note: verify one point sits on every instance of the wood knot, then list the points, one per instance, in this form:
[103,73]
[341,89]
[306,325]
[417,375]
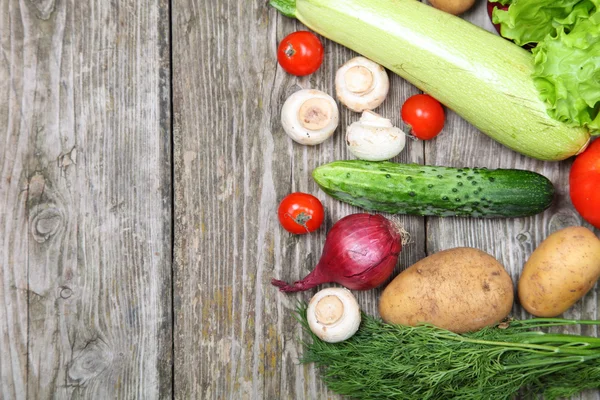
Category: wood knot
[524,241]
[94,358]
[45,221]
[65,292]
[524,237]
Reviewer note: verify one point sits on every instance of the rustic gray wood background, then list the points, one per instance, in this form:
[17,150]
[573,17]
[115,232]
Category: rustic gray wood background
[142,162]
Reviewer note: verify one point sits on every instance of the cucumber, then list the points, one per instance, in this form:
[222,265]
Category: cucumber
[435,191]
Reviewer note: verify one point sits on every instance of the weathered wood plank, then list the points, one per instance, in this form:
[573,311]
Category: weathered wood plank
[13,213]
[13,223]
[85,200]
[235,334]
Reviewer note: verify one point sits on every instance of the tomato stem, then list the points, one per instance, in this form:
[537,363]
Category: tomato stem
[289,50]
[301,219]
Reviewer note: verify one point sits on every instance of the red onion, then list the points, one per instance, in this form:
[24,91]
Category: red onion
[360,253]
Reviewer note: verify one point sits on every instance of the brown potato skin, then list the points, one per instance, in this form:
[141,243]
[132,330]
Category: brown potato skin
[454,7]
[461,289]
[560,271]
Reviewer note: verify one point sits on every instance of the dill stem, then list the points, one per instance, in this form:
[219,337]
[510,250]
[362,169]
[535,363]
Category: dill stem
[385,361]
[587,341]
[547,322]
[519,345]
[547,361]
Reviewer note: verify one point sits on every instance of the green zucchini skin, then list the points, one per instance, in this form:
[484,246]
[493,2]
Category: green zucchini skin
[435,191]
[479,75]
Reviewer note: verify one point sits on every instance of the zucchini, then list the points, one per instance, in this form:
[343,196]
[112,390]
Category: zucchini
[437,191]
[482,77]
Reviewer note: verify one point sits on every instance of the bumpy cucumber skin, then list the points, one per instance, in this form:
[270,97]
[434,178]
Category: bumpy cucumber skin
[436,191]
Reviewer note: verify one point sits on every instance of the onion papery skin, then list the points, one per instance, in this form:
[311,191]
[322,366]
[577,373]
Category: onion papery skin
[360,253]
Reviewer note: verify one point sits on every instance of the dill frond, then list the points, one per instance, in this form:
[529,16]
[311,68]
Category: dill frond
[383,361]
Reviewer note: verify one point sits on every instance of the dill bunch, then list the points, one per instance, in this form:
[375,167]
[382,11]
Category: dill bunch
[383,361]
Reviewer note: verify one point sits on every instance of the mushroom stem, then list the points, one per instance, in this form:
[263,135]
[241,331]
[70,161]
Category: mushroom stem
[361,84]
[374,138]
[329,310]
[333,314]
[309,116]
[359,79]
[375,120]
[315,114]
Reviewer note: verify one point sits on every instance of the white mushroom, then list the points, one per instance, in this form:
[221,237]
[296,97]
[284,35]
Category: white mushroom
[361,84]
[333,314]
[374,138]
[309,116]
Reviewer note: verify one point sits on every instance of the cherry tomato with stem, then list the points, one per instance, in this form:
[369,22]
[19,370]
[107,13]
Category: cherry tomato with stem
[424,115]
[584,184]
[300,213]
[300,53]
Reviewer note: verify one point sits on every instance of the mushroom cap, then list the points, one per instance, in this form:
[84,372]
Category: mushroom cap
[361,84]
[310,116]
[374,138]
[333,314]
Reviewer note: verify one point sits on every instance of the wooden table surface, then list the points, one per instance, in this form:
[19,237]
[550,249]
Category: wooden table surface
[142,161]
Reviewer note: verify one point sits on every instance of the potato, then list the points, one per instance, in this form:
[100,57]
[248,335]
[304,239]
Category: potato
[454,7]
[560,271]
[461,289]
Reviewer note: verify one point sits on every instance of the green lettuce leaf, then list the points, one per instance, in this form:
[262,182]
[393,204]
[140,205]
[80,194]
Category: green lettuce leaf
[530,21]
[567,73]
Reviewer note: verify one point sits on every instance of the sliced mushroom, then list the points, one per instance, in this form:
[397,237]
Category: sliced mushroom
[333,314]
[309,116]
[374,138]
[361,84]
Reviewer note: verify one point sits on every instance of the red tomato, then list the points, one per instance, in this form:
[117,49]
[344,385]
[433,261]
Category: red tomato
[300,213]
[300,53]
[424,115]
[584,184]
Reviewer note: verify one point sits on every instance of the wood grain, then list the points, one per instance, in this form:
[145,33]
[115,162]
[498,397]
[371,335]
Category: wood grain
[85,200]
[235,335]
[233,164]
